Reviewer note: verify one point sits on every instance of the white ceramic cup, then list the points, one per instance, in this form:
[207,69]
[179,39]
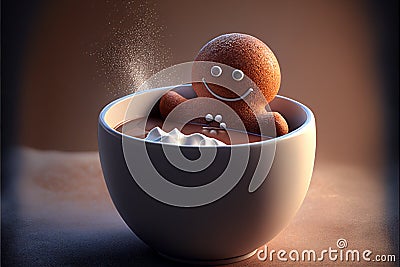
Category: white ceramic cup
[234,226]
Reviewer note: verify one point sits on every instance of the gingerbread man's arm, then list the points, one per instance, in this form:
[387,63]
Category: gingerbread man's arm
[169,101]
[281,125]
[267,119]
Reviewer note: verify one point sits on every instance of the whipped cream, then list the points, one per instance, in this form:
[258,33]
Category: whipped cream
[177,137]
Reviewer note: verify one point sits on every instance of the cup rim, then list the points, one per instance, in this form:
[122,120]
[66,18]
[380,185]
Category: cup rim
[290,135]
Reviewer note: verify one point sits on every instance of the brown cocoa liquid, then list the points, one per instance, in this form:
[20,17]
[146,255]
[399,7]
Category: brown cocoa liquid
[135,128]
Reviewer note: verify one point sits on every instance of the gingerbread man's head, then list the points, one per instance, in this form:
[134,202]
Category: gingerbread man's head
[248,56]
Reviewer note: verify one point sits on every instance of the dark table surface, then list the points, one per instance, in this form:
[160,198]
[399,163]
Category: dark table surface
[58,213]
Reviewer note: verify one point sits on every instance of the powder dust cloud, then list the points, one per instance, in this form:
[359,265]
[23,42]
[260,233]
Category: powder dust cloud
[132,49]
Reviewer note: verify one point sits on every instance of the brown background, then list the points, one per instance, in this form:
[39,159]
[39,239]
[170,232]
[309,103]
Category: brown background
[337,57]
[325,49]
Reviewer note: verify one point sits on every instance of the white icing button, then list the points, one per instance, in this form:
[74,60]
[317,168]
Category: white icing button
[218,118]
[213,132]
[209,117]
[222,125]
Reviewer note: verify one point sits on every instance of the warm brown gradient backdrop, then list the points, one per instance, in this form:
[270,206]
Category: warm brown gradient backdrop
[326,51]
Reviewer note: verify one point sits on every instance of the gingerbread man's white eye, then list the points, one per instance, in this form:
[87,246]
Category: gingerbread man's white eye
[237,75]
[216,71]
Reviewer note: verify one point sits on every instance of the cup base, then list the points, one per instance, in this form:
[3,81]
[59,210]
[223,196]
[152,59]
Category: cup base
[210,262]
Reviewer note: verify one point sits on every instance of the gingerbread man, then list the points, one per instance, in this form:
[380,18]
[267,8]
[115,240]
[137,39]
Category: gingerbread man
[248,56]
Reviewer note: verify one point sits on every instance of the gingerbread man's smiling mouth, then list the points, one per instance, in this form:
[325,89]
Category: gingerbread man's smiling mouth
[224,98]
